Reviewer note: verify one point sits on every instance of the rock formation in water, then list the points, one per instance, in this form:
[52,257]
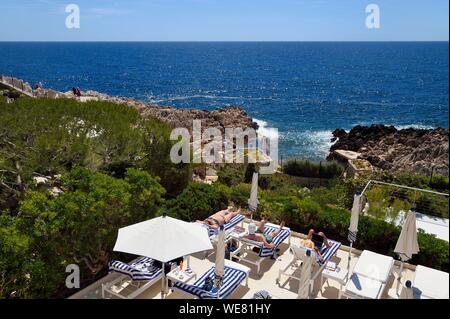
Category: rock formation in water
[417,150]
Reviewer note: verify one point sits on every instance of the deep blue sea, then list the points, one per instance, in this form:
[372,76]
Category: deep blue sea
[306,90]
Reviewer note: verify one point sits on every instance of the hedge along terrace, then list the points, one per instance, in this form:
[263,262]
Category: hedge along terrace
[305,168]
[111,168]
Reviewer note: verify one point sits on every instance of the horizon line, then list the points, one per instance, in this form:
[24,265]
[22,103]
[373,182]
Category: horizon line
[222,41]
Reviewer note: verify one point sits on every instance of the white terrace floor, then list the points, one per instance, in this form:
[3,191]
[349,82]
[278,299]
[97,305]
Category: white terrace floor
[287,289]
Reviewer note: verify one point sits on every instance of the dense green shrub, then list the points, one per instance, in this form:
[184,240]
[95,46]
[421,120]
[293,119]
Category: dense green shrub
[240,194]
[305,168]
[77,227]
[437,183]
[335,193]
[231,174]
[198,201]
[388,201]
[224,190]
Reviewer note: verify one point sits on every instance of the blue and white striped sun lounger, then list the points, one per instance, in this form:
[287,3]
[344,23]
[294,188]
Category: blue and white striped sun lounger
[277,240]
[142,269]
[138,276]
[299,254]
[232,279]
[247,245]
[327,253]
[233,222]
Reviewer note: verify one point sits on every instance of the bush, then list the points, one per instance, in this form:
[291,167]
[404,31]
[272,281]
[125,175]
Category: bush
[335,193]
[231,175]
[305,168]
[437,182]
[198,201]
[388,202]
[240,194]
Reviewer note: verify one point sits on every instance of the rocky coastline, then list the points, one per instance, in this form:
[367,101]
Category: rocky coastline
[232,116]
[424,151]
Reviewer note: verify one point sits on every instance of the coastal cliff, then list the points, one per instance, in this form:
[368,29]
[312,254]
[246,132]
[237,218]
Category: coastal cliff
[387,148]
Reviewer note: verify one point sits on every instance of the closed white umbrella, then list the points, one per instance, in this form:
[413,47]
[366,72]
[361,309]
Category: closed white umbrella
[253,200]
[163,239]
[220,260]
[305,276]
[354,219]
[407,244]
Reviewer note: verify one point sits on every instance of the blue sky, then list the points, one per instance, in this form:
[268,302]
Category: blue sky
[224,20]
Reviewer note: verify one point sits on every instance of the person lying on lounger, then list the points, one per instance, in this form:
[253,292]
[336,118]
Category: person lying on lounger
[220,218]
[256,233]
[314,241]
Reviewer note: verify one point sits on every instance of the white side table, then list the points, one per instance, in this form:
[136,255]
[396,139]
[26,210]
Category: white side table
[181,276]
[340,275]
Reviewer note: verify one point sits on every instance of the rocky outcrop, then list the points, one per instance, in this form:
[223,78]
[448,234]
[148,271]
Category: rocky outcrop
[221,118]
[386,148]
[232,116]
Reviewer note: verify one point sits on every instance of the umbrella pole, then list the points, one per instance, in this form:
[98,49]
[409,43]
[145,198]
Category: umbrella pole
[350,255]
[163,284]
[400,277]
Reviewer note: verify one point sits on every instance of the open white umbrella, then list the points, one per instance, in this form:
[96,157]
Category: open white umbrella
[354,219]
[253,200]
[407,244]
[305,276]
[220,260]
[163,239]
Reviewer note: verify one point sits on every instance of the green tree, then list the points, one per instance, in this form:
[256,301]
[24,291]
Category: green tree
[77,227]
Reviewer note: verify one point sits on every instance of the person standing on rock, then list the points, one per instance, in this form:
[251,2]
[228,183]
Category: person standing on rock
[76,91]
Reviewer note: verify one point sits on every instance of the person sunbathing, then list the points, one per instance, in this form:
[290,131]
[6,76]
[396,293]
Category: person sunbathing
[220,218]
[256,233]
[314,241]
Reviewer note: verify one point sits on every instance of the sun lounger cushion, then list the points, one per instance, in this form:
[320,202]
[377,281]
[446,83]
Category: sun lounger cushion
[364,287]
[231,280]
[233,222]
[142,269]
[430,283]
[374,266]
